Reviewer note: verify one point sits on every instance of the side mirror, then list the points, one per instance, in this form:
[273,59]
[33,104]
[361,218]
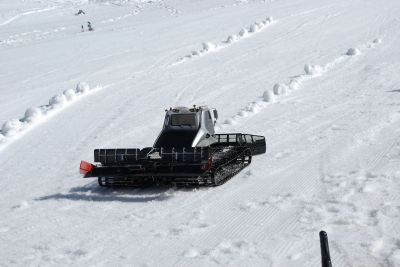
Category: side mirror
[208,135]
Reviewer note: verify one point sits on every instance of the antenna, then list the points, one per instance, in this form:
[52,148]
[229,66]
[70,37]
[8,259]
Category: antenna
[325,255]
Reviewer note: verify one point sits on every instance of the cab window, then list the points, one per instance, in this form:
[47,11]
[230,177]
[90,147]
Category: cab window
[183,119]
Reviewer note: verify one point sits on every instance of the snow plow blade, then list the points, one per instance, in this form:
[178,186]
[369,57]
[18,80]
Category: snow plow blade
[182,166]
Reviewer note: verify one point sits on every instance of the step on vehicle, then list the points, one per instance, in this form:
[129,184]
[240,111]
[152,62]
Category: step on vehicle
[187,152]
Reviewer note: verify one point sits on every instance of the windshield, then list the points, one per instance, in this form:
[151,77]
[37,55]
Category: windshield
[183,119]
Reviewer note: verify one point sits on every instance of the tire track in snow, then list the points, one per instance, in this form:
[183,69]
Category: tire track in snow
[15,128]
[295,83]
[209,47]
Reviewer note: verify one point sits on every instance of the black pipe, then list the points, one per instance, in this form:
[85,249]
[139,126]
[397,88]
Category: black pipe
[325,255]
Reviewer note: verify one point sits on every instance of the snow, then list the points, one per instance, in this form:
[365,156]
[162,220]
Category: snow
[316,70]
[280,89]
[210,46]
[268,96]
[57,100]
[319,79]
[355,51]
[11,127]
[33,116]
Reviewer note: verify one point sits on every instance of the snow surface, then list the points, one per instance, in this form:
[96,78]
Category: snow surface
[319,79]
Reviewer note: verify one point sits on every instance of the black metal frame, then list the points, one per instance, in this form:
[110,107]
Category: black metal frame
[195,165]
[256,143]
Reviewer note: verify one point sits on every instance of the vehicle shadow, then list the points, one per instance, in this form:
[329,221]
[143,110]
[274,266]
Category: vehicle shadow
[93,192]
[394,91]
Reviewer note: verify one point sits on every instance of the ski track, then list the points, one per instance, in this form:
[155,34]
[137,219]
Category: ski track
[239,3]
[137,9]
[170,9]
[283,89]
[35,35]
[209,47]
[8,21]
[15,128]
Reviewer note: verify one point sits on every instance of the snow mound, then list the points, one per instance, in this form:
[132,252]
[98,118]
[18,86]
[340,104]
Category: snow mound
[353,52]
[243,33]
[69,94]
[253,28]
[57,100]
[313,70]
[295,83]
[280,89]
[377,41]
[208,46]
[11,127]
[35,115]
[232,38]
[32,114]
[268,96]
[82,87]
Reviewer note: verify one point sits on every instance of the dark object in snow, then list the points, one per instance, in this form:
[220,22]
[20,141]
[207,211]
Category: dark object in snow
[187,152]
[80,12]
[82,28]
[325,255]
[89,25]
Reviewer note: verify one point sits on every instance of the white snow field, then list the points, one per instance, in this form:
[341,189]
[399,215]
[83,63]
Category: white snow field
[320,79]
